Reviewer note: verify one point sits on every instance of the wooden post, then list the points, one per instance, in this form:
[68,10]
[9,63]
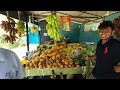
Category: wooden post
[88,69]
[61,76]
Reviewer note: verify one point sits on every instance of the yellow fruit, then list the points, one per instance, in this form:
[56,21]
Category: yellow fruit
[63,60]
[61,66]
[53,48]
[71,63]
[58,55]
[69,66]
[77,63]
[53,66]
[37,58]
[37,53]
[35,65]
[68,54]
[71,57]
[60,50]
[27,63]
[66,66]
[39,64]
[53,54]
[57,47]
[33,61]
[31,64]
[33,29]
[26,67]
[77,44]
[48,66]
[41,59]
[49,51]
[57,61]
[23,62]
[66,62]
[78,66]
[61,46]
[53,57]
[44,66]
[49,55]
[40,67]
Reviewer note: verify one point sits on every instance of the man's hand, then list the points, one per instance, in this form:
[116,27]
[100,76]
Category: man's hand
[117,68]
[89,57]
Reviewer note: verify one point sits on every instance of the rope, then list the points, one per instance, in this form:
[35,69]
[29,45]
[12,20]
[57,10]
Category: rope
[19,15]
[7,13]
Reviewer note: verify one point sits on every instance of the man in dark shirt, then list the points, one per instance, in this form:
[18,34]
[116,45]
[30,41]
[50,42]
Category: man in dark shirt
[107,54]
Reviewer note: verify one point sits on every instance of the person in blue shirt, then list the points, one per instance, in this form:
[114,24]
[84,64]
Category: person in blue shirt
[10,66]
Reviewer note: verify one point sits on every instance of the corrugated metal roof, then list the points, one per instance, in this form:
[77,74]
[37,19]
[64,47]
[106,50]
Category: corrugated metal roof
[77,16]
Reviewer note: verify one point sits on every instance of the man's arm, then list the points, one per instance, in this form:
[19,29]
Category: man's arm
[20,72]
[92,57]
[89,57]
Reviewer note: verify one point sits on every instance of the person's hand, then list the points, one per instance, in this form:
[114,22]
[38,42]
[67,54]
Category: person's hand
[85,58]
[117,68]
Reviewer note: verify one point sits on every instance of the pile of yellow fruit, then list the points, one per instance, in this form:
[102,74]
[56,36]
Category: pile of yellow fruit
[56,57]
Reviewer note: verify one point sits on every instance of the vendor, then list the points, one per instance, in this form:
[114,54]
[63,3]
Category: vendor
[63,37]
[66,39]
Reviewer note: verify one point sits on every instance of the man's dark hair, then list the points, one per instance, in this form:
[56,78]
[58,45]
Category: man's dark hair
[106,24]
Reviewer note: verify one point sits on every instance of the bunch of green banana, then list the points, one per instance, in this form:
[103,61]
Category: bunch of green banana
[20,27]
[53,27]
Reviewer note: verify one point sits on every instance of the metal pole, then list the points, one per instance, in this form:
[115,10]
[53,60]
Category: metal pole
[26,20]
[39,36]
[39,29]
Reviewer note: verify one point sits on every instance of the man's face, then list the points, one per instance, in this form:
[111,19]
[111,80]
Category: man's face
[105,33]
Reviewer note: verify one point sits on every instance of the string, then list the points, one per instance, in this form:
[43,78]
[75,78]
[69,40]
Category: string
[7,13]
[19,15]
[32,18]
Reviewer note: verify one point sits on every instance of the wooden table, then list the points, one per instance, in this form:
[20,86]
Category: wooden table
[47,71]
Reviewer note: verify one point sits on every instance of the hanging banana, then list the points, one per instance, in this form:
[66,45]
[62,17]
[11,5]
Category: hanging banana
[21,28]
[53,27]
[33,29]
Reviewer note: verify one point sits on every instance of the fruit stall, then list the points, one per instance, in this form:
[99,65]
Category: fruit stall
[59,53]
[60,57]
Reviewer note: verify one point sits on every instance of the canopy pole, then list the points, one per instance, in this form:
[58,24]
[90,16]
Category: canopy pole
[26,20]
